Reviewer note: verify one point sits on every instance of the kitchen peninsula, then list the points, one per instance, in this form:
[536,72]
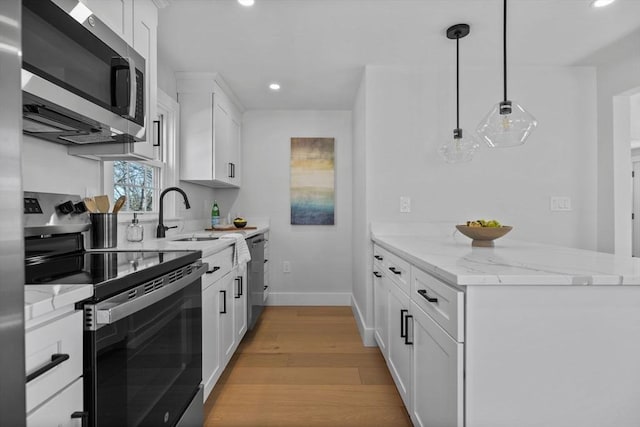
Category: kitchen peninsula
[520,334]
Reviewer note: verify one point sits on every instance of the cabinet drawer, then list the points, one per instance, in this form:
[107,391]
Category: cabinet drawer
[440,301]
[397,269]
[61,337]
[219,265]
[378,257]
[57,411]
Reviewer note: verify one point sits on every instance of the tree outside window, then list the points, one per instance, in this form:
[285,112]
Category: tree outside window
[136,181]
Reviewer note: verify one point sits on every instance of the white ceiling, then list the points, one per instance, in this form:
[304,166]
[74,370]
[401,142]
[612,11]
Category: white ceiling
[317,48]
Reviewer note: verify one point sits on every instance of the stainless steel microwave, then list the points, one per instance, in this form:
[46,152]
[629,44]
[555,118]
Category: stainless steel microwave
[81,83]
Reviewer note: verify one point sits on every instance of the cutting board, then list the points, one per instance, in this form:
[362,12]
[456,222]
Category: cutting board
[230,227]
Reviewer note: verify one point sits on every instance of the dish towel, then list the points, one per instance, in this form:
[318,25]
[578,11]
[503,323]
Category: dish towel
[241,255]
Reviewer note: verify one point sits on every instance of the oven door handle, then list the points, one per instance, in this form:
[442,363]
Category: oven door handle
[108,313]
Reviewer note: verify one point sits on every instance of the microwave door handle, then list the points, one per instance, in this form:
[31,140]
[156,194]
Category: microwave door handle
[133,87]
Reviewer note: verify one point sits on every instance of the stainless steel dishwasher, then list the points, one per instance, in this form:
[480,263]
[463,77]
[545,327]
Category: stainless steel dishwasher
[255,278]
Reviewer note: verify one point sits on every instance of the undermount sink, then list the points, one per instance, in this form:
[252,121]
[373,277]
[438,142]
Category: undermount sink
[195,239]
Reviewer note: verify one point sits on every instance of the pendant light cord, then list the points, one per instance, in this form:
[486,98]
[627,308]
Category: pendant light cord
[457,84]
[504,48]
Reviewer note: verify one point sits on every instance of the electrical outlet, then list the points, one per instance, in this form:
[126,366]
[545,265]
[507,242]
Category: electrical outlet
[405,204]
[286,267]
[557,203]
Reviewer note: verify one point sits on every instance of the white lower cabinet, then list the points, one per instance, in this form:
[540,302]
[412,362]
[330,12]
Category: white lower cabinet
[240,305]
[425,360]
[227,324]
[224,315]
[53,350]
[438,374]
[63,410]
[400,352]
[381,301]
[211,366]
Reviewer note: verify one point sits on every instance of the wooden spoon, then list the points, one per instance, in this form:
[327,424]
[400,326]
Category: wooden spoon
[102,202]
[90,204]
[119,204]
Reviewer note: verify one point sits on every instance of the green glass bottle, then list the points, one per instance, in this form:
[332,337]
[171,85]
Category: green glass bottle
[215,214]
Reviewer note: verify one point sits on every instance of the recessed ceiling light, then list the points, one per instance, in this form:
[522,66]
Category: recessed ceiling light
[274,86]
[601,3]
[246,3]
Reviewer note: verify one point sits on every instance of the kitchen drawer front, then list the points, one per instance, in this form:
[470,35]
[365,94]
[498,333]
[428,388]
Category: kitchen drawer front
[398,270]
[46,344]
[442,302]
[379,256]
[219,265]
[58,411]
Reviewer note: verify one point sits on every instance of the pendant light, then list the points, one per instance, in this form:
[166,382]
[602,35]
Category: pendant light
[459,149]
[507,124]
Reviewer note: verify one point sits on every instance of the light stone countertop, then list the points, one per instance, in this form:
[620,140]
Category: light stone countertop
[40,300]
[450,257]
[208,247]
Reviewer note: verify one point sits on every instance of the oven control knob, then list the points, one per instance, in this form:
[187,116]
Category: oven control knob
[79,207]
[66,207]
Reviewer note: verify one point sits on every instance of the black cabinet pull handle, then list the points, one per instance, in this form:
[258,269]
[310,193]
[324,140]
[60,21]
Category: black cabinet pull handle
[224,303]
[56,359]
[394,271]
[158,134]
[403,332]
[406,329]
[84,415]
[239,294]
[375,273]
[213,270]
[378,257]
[423,294]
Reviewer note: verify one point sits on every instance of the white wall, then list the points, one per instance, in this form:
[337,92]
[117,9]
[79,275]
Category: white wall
[403,114]
[635,117]
[320,256]
[618,75]
[361,240]
[411,112]
[46,167]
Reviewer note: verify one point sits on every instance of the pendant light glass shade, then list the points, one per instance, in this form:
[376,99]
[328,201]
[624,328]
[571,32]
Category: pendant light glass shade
[506,129]
[459,149]
[508,124]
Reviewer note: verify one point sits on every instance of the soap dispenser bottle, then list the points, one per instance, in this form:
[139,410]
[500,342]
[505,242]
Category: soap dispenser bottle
[135,231]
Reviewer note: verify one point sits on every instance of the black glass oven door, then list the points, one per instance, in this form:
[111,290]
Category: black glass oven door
[148,365]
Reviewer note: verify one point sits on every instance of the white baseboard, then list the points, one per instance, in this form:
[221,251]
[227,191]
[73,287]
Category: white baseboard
[367,334]
[309,298]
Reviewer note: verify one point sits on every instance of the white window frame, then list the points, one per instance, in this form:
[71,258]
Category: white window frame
[169,109]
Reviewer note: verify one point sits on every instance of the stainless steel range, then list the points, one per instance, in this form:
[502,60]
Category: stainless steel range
[143,333]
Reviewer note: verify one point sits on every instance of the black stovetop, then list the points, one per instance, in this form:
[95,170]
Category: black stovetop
[110,272]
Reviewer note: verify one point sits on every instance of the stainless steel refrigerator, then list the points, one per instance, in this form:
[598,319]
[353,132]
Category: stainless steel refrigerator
[12,375]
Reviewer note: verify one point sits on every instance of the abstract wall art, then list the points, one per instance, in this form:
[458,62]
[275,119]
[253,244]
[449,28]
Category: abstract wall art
[312,181]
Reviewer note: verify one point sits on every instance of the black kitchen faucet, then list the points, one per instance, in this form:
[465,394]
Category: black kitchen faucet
[160,232]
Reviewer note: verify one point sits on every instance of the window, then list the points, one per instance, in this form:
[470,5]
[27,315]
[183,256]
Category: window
[138,182]
[142,181]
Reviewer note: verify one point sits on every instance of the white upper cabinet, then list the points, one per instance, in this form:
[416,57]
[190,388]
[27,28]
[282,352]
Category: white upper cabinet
[210,131]
[117,14]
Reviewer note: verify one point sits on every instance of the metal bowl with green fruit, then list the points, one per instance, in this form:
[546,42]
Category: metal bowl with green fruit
[483,233]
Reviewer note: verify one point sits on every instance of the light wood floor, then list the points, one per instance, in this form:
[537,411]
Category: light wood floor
[305,367]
